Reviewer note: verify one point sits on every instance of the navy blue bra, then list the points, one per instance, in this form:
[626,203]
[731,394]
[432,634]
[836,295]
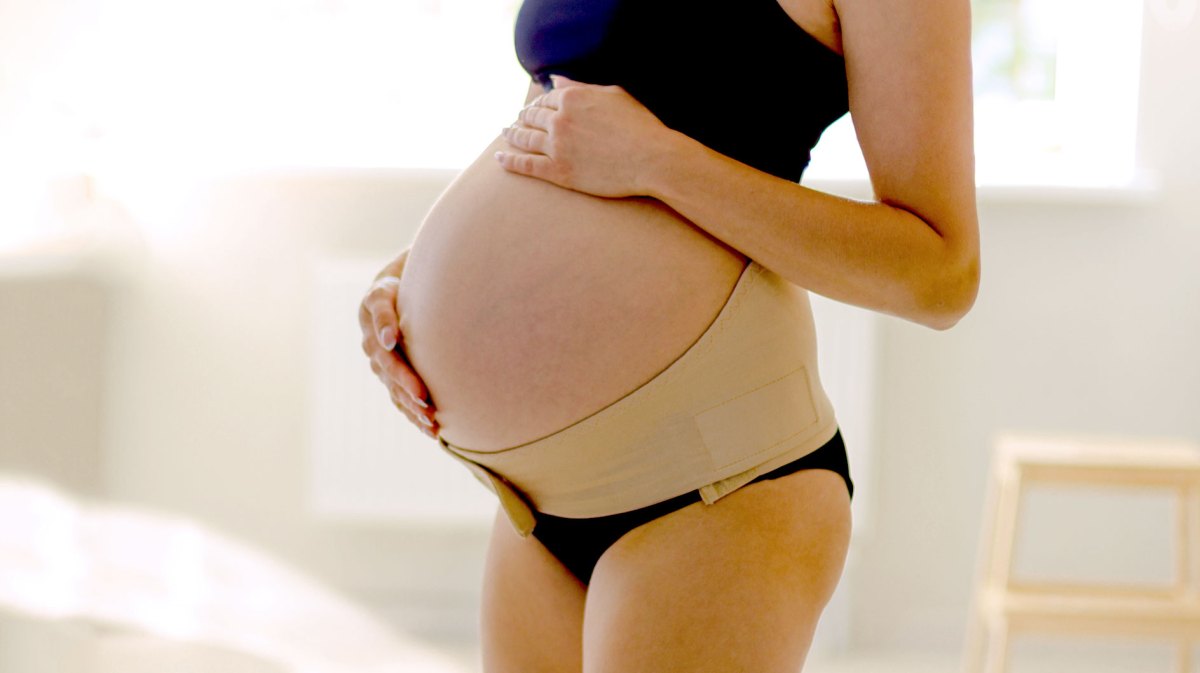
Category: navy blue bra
[739,76]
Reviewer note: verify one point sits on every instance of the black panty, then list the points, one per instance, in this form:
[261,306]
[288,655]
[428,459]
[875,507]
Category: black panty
[579,543]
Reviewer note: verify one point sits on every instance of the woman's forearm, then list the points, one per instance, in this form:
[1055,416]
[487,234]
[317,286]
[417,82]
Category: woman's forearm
[869,254]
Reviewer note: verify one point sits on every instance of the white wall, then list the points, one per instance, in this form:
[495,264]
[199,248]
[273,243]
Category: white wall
[1087,320]
[51,379]
[172,375]
[208,404]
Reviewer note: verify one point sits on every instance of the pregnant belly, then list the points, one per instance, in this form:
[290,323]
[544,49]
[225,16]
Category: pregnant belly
[526,306]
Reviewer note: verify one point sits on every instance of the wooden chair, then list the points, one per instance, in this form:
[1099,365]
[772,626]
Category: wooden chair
[1003,607]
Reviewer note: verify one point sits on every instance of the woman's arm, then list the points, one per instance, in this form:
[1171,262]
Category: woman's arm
[915,252]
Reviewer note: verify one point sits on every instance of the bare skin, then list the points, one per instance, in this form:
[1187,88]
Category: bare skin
[912,252]
[773,552]
[740,585]
[516,291]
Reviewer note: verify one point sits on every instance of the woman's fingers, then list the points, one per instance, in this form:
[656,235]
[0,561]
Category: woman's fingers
[401,398]
[382,344]
[536,117]
[378,309]
[417,417]
[533,165]
[527,138]
[375,326]
[396,372]
[380,303]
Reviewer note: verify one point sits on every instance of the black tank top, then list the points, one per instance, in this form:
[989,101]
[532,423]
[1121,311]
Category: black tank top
[739,76]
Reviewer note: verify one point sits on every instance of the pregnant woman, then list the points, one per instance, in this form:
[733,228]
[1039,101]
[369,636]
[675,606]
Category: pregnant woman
[605,317]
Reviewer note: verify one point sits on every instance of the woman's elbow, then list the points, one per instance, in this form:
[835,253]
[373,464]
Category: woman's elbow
[950,295]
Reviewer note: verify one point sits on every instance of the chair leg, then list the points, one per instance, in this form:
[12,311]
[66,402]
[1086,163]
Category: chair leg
[1008,512]
[997,647]
[987,629]
[1184,579]
[975,651]
[1189,545]
[977,622]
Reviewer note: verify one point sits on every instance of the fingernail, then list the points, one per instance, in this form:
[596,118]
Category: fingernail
[387,337]
[423,403]
[428,423]
[428,432]
[499,156]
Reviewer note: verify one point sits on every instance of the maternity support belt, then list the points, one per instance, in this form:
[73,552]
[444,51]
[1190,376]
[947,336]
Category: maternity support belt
[743,399]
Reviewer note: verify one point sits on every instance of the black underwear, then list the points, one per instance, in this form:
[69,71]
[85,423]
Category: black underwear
[579,543]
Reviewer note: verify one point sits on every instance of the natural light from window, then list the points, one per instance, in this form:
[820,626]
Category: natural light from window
[1056,95]
[122,89]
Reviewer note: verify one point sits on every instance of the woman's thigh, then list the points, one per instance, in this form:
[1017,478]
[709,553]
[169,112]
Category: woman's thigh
[531,617]
[734,586]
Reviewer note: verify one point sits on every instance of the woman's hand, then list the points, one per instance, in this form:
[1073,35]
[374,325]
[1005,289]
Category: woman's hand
[383,343]
[590,138]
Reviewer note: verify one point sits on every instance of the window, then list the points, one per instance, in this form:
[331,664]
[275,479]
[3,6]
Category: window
[243,84]
[126,90]
[1056,94]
